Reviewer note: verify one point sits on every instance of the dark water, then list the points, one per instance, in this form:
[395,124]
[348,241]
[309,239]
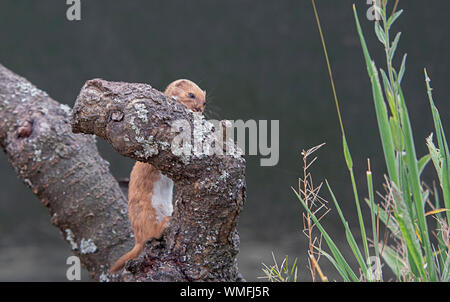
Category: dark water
[258,60]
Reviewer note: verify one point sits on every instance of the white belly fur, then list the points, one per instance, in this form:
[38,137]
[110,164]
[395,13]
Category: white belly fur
[162,197]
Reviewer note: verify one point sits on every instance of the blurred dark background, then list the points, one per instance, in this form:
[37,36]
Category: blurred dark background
[257,60]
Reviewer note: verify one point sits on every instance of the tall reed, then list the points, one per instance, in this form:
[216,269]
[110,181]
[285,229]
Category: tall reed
[407,202]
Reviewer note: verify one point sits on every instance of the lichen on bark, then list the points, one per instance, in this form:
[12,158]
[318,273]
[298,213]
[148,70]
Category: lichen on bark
[65,171]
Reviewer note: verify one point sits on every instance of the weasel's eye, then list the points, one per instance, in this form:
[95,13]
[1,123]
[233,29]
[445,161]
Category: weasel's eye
[191,95]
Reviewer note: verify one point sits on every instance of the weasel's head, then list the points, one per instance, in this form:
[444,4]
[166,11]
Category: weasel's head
[187,93]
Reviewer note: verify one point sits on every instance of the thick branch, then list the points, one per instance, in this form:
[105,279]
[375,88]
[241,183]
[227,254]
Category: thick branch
[137,120]
[66,173]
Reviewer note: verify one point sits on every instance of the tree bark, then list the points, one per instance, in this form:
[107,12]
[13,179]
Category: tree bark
[66,173]
[87,204]
[201,242]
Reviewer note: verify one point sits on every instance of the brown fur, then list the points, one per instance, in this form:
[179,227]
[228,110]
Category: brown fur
[181,90]
[143,176]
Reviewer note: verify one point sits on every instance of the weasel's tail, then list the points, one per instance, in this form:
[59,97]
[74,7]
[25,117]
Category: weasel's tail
[134,253]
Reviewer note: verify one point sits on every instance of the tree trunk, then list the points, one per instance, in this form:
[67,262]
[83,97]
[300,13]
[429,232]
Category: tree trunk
[68,175]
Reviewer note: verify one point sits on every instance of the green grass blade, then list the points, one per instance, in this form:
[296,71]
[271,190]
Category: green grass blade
[423,163]
[408,231]
[443,148]
[413,173]
[435,156]
[347,155]
[402,69]
[446,270]
[350,239]
[340,270]
[372,207]
[331,245]
[349,161]
[345,146]
[393,18]
[390,222]
[380,107]
[394,261]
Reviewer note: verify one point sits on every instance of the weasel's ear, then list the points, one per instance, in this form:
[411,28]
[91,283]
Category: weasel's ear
[180,83]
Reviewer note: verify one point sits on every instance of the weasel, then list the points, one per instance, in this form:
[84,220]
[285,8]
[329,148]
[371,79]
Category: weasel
[150,192]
